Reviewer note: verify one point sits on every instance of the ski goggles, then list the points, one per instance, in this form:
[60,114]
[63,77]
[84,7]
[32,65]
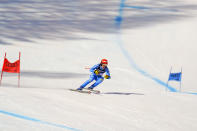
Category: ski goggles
[104,64]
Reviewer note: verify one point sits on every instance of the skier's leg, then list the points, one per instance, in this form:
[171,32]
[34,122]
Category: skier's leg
[92,77]
[98,81]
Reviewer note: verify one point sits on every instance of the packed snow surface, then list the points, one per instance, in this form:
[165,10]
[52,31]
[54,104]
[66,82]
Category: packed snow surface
[60,39]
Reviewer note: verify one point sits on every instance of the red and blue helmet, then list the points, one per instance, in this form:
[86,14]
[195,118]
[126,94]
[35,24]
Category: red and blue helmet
[104,61]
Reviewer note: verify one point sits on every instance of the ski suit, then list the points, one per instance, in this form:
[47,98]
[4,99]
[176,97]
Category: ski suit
[98,78]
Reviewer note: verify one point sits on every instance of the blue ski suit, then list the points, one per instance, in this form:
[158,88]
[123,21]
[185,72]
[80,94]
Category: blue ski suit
[98,78]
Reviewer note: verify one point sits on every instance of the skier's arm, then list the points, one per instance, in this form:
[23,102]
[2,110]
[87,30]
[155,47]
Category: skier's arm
[107,76]
[93,68]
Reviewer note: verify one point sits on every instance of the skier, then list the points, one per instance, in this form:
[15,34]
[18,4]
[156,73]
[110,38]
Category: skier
[96,74]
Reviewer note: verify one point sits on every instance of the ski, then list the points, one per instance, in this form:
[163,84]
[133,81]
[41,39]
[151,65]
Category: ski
[93,91]
[80,91]
[88,91]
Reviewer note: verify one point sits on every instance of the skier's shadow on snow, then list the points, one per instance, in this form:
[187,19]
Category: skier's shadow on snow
[122,93]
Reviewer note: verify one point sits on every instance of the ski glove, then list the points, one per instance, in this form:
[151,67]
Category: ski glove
[96,72]
[107,77]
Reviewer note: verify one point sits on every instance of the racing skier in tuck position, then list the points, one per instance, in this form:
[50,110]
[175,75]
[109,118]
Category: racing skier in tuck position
[97,72]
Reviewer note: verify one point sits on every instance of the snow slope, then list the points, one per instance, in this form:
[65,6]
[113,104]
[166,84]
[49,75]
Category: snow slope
[59,39]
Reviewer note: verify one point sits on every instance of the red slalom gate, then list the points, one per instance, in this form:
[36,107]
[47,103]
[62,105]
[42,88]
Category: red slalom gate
[11,68]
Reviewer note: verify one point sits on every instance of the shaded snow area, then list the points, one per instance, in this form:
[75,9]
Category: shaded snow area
[60,39]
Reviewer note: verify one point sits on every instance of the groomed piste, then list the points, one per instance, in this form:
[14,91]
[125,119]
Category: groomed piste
[60,40]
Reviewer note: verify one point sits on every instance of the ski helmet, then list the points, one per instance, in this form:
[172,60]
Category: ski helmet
[104,61]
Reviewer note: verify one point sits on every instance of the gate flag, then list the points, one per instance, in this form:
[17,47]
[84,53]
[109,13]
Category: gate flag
[175,76]
[11,68]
